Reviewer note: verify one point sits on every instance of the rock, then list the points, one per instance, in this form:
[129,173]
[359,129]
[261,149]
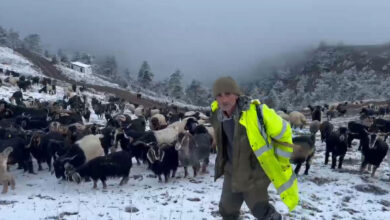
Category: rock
[151,176]
[350,211]
[369,188]
[131,209]
[6,202]
[321,181]
[138,177]
[195,181]
[385,203]
[193,199]
[346,199]
[215,214]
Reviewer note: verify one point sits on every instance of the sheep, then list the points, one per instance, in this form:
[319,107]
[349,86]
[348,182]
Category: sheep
[162,160]
[12,80]
[154,112]
[283,115]
[304,151]
[139,111]
[130,107]
[331,114]
[314,126]
[342,108]
[113,165]
[374,150]
[297,119]
[82,151]
[326,129]
[158,122]
[337,144]
[167,135]
[5,177]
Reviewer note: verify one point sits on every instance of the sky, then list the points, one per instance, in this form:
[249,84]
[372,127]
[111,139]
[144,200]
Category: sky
[204,38]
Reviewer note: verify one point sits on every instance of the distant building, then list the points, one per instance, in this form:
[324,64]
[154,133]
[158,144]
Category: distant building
[81,67]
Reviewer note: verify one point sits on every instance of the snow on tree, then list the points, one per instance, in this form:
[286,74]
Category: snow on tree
[32,43]
[3,37]
[108,67]
[62,56]
[13,39]
[175,87]
[198,95]
[145,75]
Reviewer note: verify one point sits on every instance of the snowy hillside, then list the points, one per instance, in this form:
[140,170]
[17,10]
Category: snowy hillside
[328,74]
[11,60]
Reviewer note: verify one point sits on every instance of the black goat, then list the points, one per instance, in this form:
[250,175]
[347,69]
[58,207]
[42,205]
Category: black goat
[381,125]
[117,164]
[315,112]
[354,132]
[374,150]
[20,153]
[163,160]
[44,147]
[337,144]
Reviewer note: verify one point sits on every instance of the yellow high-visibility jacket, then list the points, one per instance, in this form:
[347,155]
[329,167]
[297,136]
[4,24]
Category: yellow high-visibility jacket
[272,157]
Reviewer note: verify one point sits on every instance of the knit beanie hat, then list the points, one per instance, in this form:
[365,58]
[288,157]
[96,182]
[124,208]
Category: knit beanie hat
[226,84]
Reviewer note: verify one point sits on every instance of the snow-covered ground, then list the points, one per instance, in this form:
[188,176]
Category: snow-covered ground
[87,78]
[11,60]
[325,193]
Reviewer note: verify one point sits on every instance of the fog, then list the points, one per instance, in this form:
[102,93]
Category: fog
[204,38]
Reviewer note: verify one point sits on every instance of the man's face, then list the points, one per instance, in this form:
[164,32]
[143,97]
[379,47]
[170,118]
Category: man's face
[227,101]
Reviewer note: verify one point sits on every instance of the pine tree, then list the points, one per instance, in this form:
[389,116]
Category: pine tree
[76,57]
[175,84]
[109,66]
[54,59]
[33,43]
[145,75]
[13,39]
[86,58]
[3,37]
[198,95]
[127,74]
[47,54]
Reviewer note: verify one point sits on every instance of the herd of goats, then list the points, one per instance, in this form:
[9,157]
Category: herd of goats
[54,132]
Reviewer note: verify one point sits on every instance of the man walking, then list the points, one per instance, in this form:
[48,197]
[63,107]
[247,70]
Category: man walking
[246,155]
